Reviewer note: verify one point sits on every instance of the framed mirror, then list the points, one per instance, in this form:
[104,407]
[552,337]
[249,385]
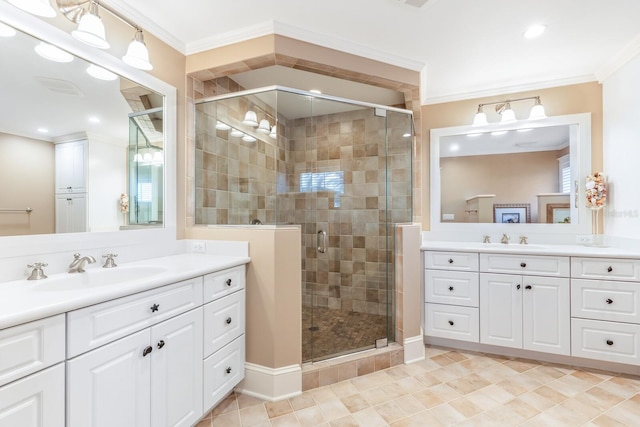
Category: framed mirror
[75,140]
[526,175]
[126,121]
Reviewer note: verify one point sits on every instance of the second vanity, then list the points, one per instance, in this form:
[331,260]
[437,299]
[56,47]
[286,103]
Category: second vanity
[570,304]
[151,343]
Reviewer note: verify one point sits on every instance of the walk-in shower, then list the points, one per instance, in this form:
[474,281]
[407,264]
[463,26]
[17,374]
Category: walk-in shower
[338,169]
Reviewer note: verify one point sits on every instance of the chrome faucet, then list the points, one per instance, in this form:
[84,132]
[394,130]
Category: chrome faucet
[505,238]
[79,262]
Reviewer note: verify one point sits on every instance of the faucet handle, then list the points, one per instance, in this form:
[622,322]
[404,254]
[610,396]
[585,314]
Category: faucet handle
[109,262]
[37,273]
[523,240]
[486,239]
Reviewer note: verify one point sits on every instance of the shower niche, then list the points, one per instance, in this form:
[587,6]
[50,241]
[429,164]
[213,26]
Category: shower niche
[338,169]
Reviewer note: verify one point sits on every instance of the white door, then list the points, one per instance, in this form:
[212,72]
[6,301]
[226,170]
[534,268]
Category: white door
[501,310]
[546,314]
[109,386]
[34,401]
[71,213]
[71,167]
[176,370]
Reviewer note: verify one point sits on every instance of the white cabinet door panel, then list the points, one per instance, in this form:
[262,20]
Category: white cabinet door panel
[501,310]
[546,316]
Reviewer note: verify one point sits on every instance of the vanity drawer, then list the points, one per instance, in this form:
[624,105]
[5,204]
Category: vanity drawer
[224,321]
[461,261]
[605,268]
[221,283]
[451,287]
[452,321]
[222,371]
[30,347]
[608,341]
[603,300]
[525,264]
[100,324]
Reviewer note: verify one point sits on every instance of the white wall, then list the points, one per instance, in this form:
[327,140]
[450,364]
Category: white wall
[621,150]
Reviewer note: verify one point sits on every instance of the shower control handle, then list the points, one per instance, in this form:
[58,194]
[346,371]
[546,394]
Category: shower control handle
[322,241]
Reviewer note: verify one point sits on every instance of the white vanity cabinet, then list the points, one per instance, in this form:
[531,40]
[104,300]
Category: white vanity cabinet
[605,309]
[224,333]
[147,367]
[32,374]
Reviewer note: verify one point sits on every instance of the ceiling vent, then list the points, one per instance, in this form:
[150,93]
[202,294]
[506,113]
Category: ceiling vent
[416,3]
[60,86]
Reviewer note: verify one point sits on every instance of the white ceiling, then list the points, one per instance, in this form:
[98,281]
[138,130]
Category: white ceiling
[467,48]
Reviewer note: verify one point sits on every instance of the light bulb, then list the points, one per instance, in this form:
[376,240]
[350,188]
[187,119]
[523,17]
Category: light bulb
[250,118]
[508,115]
[137,53]
[537,112]
[264,127]
[91,29]
[480,118]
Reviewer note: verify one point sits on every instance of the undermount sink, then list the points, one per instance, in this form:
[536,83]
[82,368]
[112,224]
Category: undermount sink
[98,277]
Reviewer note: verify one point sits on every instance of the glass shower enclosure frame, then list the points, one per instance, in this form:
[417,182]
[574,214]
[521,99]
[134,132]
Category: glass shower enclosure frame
[339,169]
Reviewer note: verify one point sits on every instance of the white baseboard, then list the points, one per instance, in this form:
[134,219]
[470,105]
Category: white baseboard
[413,349]
[271,384]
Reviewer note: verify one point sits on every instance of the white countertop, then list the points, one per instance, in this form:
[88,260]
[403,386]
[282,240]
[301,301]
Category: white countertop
[534,249]
[24,300]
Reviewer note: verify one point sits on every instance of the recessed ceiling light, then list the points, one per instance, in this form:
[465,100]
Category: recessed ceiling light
[6,31]
[43,130]
[100,73]
[53,53]
[94,119]
[316,91]
[534,31]
[454,147]
[406,135]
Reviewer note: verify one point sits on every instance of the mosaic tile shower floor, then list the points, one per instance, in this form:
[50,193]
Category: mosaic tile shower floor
[450,388]
[338,331]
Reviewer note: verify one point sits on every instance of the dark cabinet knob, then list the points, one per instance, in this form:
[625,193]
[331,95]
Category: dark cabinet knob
[160,344]
[518,287]
[228,282]
[228,370]
[609,269]
[228,320]
[450,261]
[146,351]
[609,301]
[451,322]
[528,287]
[523,264]
[451,288]
[609,342]
[154,307]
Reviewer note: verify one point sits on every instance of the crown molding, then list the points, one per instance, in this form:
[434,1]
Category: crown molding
[123,7]
[502,90]
[619,60]
[230,37]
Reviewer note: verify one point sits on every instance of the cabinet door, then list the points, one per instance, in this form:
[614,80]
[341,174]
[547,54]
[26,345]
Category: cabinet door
[71,213]
[34,401]
[71,167]
[501,310]
[176,370]
[109,386]
[546,314]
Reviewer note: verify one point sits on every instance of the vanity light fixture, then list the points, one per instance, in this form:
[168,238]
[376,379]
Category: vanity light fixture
[53,53]
[222,126]
[137,54]
[273,133]
[100,73]
[91,29]
[236,133]
[264,126]
[250,118]
[248,138]
[35,7]
[507,115]
[6,31]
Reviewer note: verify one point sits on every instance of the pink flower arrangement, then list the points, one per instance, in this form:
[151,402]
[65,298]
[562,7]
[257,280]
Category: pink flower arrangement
[596,191]
[124,203]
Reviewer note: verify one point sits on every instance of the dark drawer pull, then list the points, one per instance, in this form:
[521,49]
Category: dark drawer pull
[154,308]
[450,261]
[609,342]
[146,351]
[228,282]
[609,301]
[228,370]
[528,287]
[228,320]
[518,287]
[523,264]
[451,288]
[609,269]
[451,322]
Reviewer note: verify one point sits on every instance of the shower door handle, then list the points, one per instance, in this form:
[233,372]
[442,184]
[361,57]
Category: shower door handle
[322,241]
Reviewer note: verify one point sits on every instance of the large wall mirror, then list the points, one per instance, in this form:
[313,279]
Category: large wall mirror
[122,119]
[526,175]
[81,147]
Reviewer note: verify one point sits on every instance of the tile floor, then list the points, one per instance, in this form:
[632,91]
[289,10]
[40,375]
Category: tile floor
[451,388]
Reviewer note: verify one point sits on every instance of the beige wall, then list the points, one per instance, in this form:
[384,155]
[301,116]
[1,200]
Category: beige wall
[513,178]
[27,180]
[572,99]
